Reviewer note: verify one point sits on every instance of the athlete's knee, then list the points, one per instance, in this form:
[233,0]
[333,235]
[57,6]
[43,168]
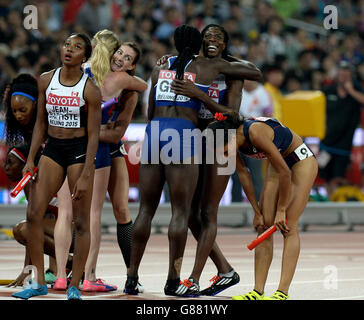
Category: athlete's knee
[81,226]
[268,221]
[179,222]
[208,216]
[19,232]
[293,231]
[34,218]
[121,213]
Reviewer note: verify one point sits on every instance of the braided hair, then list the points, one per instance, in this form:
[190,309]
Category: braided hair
[28,86]
[187,41]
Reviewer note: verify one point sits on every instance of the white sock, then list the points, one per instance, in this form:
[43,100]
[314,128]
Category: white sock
[227,275]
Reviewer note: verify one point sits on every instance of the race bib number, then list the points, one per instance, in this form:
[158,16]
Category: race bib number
[303,152]
[164,91]
[63,112]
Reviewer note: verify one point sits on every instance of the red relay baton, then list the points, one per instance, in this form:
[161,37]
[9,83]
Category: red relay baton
[22,183]
[266,234]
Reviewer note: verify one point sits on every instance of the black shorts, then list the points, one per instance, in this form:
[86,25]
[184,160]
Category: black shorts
[115,150]
[66,152]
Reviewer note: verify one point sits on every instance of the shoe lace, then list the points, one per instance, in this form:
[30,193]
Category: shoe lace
[215,279]
[187,283]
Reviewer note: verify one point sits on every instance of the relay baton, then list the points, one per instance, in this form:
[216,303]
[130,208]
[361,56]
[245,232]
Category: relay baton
[108,103]
[266,234]
[22,183]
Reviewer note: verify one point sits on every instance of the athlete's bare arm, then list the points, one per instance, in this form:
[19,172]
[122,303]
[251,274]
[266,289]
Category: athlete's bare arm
[113,132]
[154,78]
[41,123]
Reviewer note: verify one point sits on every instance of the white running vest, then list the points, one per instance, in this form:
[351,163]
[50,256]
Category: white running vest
[65,104]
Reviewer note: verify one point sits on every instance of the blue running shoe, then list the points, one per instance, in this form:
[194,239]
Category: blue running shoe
[73,294]
[32,291]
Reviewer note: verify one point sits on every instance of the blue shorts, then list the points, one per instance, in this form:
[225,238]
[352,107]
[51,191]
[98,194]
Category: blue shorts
[115,150]
[169,140]
[103,156]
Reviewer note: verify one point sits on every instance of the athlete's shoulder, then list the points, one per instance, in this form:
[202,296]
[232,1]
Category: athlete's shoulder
[91,90]
[45,78]
[47,74]
[156,70]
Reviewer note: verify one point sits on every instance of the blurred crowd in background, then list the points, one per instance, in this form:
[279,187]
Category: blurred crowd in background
[286,39]
[286,33]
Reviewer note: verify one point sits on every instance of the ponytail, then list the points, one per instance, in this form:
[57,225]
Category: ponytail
[181,61]
[188,41]
[229,120]
[105,44]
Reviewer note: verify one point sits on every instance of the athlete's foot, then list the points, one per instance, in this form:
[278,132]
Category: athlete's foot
[60,284]
[252,295]
[220,283]
[278,295]
[97,286]
[140,288]
[49,277]
[32,290]
[73,294]
[186,288]
[131,285]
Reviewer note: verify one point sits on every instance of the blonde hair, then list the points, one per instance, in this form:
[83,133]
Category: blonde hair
[105,44]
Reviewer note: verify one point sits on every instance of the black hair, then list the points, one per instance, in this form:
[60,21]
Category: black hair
[233,121]
[187,40]
[86,39]
[224,54]
[15,133]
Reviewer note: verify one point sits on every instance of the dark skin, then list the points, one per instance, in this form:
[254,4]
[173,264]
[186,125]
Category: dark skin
[51,175]
[22,108]
[206,71]
[153,176]
[211,185]
[13,169]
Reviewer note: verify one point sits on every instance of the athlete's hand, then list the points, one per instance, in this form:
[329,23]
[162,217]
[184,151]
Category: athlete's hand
[163,60]
[185,88]
[19,281]
[80,188]
[280,221]
[29,167]
[258,222]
